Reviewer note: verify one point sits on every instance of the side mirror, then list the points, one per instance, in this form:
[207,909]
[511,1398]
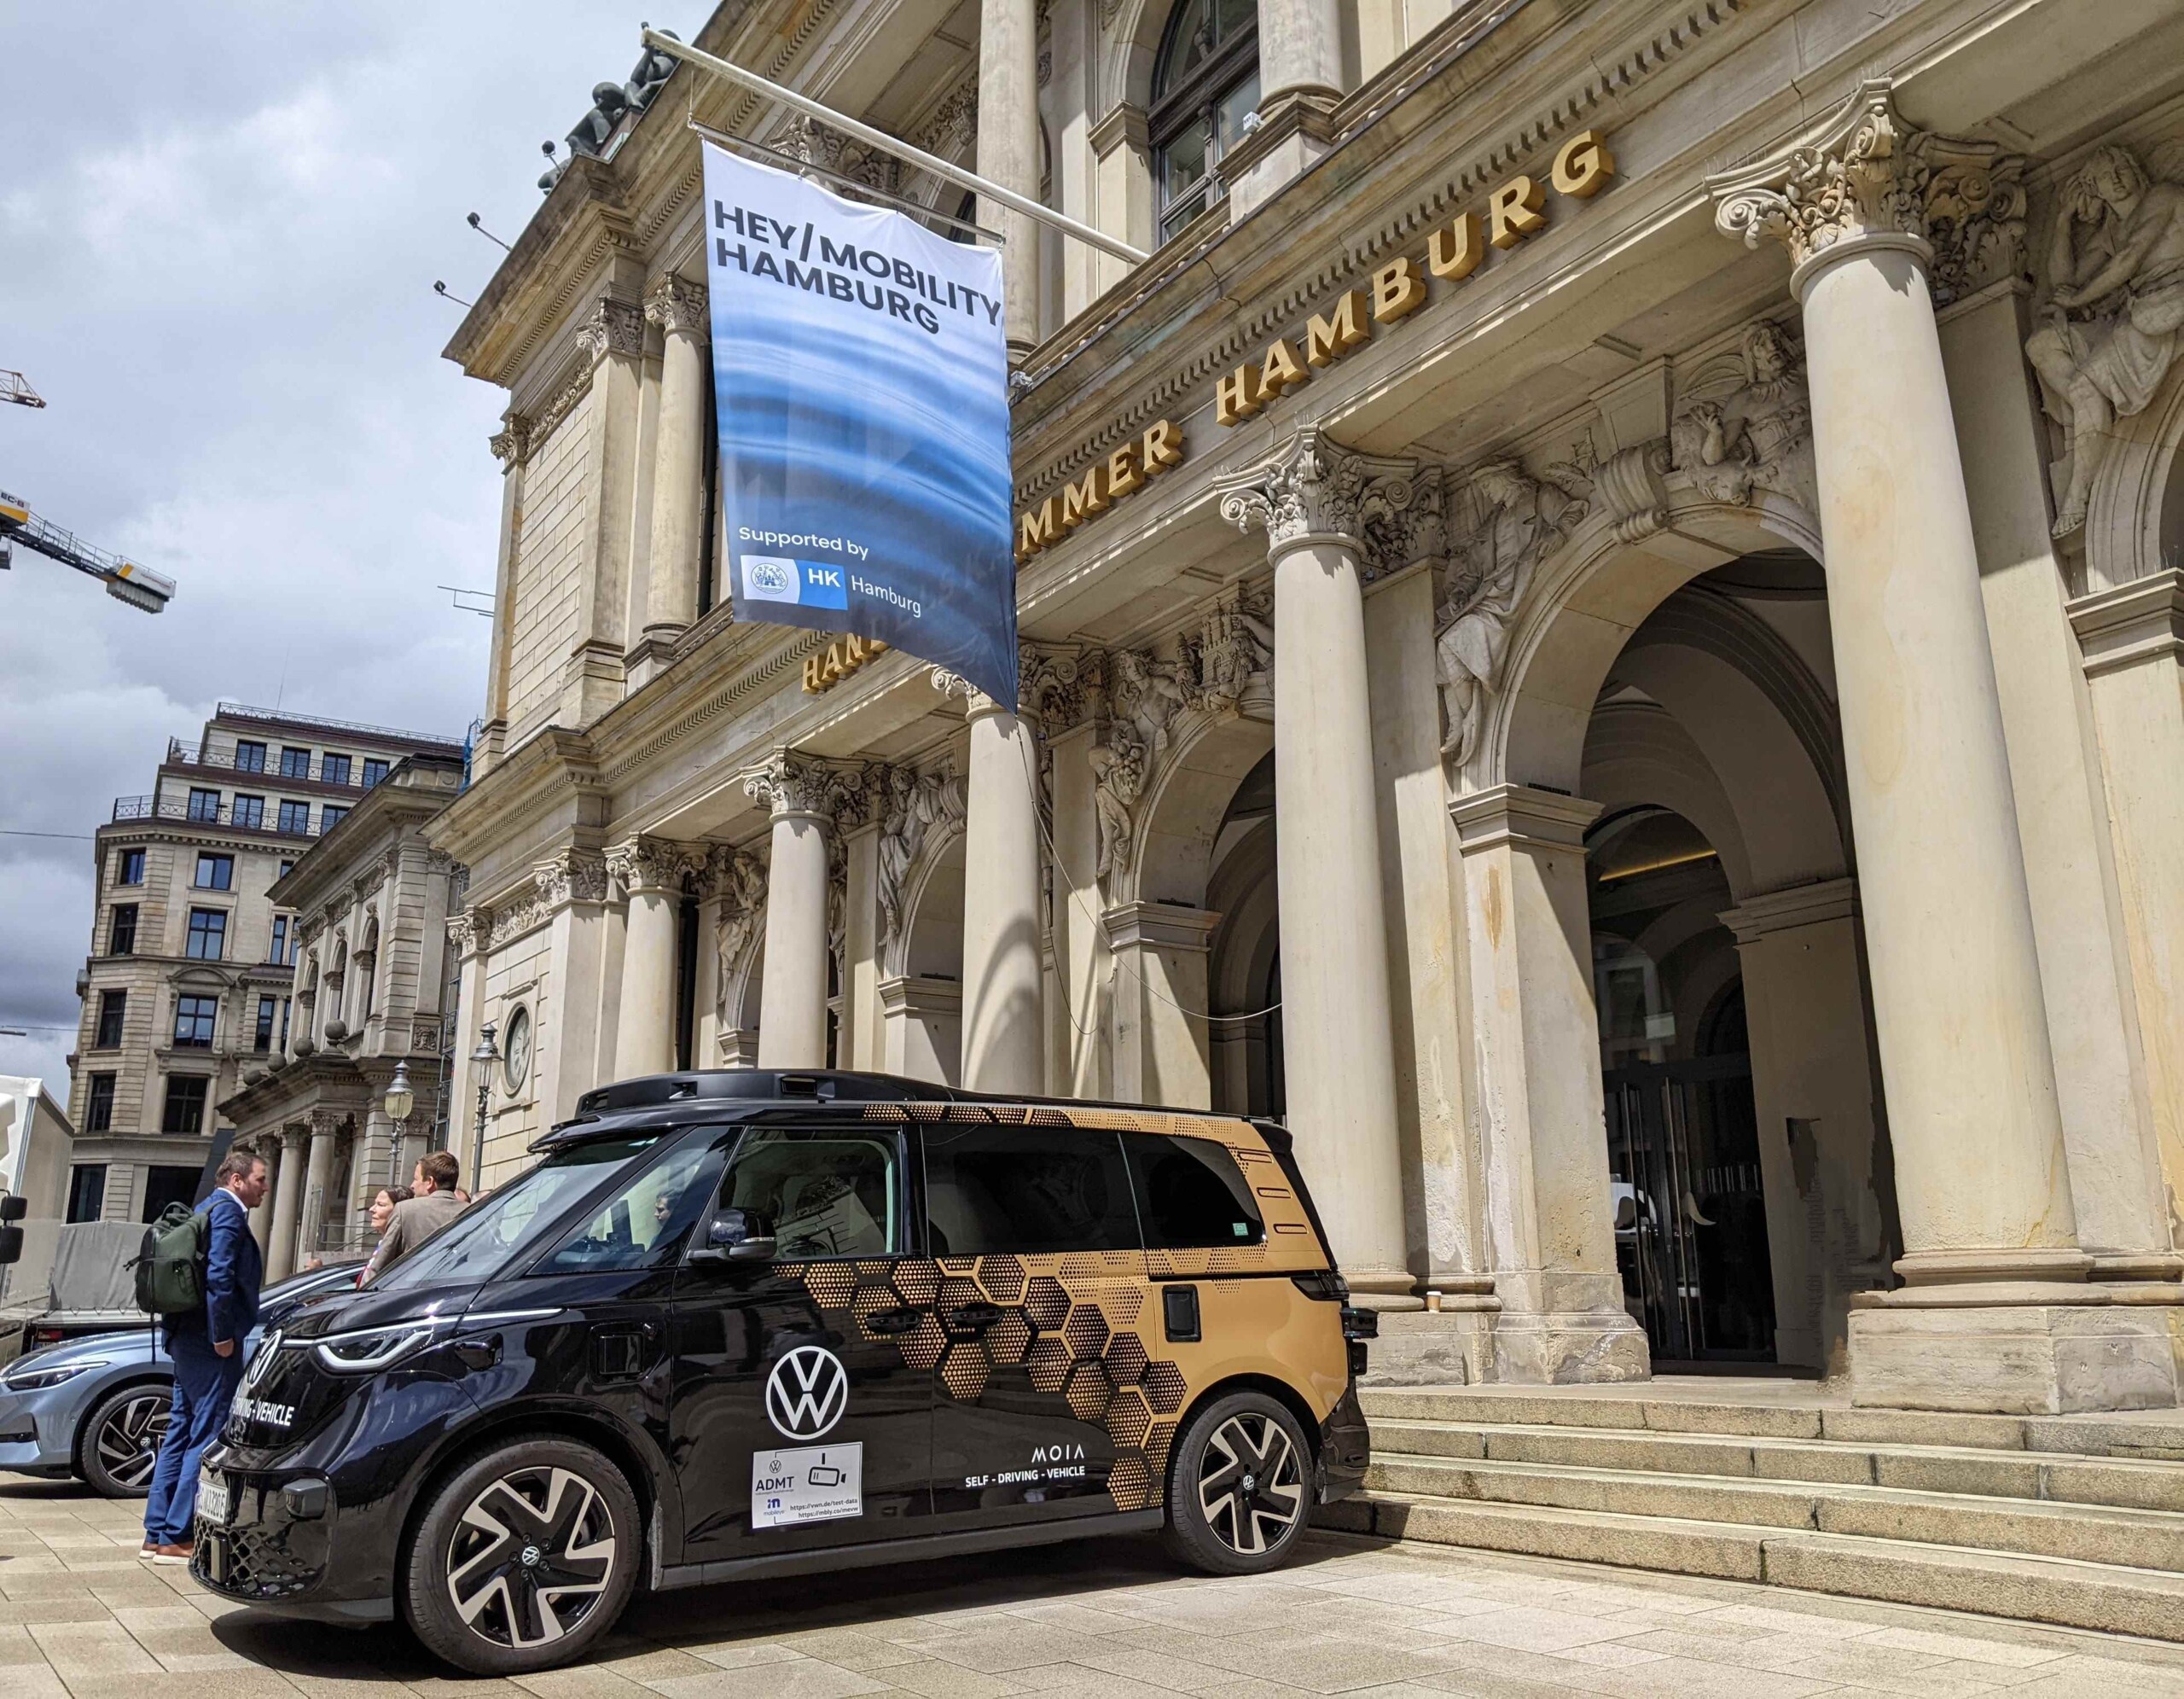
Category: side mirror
[13,1208]
[736,1236]
[11,1243]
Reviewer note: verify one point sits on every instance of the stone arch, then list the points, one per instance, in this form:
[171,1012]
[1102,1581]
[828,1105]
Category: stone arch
[931,937]
[1132,44]
[1179,818]
[1587,601]
[1638,755]
[2135,522]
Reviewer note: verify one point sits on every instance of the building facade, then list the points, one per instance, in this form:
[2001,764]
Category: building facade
[1601,634]
[190,980]
[372,991]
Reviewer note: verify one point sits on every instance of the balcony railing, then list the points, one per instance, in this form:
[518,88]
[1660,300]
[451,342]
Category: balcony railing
[181,754]
[151,808]
[274,717]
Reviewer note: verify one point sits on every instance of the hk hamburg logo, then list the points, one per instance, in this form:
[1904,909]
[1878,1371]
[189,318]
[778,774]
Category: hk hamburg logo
[769,577]
[808,1393]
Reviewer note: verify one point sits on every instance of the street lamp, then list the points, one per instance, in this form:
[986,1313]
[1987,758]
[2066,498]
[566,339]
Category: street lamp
[482,1059]
[398,1102]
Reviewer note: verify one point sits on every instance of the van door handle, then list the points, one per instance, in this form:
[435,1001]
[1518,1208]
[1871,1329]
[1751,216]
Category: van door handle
[980,1315]
[893,1321]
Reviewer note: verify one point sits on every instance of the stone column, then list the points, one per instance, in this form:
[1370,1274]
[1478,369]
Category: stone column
[1300,80]
[1995,1313]
[652,873]
[1814,1087]
[1548,1221]
[1336,1014]
[727,927]
[511,446]
[2134,641]
[1122,189]
[594,671]
[1004,982]
[677,550]
[803,794]
[860,1045]
[1163,1050]
[318,1177]
[2062,805]
[921,1028]
[1009,153]
[287,1203]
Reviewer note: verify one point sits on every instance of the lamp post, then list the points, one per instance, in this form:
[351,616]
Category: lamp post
[483,1057]
[399,1101]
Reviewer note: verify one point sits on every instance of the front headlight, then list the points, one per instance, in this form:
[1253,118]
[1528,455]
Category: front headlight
[366,1350]
[34,1379]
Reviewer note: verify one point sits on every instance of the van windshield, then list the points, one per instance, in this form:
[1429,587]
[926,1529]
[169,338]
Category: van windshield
[509,1221]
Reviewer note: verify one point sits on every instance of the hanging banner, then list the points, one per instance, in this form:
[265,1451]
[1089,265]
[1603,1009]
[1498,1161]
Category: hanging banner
[861,372]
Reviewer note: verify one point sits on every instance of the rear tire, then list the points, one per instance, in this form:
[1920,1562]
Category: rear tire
[120,1446]
[1240,1486]
[524,1558]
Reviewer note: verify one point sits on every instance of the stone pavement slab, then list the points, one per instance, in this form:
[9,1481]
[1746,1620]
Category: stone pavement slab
[80,1618]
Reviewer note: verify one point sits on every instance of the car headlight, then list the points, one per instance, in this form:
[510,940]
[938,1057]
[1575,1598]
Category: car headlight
[366,1350]
[35,1379]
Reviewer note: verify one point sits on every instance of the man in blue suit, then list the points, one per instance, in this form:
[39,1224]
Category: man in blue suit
[206,1346]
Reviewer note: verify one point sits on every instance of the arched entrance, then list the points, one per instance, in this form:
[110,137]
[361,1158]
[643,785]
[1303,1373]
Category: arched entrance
[1244,975]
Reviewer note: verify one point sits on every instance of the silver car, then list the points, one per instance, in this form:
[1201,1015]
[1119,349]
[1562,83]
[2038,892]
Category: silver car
[96,1407]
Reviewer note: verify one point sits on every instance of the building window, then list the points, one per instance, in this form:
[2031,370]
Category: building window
[334,768]
[295,763]
[98,1107]
[247,811]
[165,1184]
[287,868]
[193,1021]
[215,872]
[284,1024]
[184,1113]
[204,805]
[1205,82]
[267,1009]
[121,930]
[208,934]
[375,772]
[86,1191]
[296,820]
[278,955]
[250,758]
[329,817]
[129,867]
[113,1007]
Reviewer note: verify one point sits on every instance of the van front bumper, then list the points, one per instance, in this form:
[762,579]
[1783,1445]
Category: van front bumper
[275,1550]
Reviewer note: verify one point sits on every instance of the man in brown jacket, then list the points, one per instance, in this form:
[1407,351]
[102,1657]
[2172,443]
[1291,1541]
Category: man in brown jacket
[432,1204]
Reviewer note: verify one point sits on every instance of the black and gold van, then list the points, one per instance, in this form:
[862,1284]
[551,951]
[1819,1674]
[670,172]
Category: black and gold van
[747,1323]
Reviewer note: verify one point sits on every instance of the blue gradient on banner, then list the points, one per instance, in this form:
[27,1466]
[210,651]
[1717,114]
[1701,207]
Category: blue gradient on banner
[874,443]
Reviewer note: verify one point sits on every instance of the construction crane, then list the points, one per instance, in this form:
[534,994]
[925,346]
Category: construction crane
[124,580]
[15,388]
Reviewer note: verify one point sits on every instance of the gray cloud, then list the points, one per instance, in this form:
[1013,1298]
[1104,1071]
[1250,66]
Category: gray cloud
[222,227]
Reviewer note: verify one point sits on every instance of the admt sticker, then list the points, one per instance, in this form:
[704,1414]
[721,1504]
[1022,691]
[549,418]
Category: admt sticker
[820,1484]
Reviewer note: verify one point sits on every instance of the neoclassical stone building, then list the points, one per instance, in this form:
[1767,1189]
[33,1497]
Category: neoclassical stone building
[1601,634]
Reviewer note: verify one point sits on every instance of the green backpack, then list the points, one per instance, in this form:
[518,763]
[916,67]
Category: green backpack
[170,1269]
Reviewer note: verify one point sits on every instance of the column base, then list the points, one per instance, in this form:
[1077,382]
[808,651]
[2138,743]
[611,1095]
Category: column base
[648,657]
[1558,1329]
[1444,1347]
[2027,1358]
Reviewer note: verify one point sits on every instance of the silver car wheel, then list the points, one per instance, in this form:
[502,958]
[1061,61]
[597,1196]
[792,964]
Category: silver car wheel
[128,1441]
[1251,1483]
[531,1555]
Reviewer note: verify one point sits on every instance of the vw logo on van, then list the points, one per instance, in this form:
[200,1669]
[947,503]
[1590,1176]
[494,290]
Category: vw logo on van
[808,1393]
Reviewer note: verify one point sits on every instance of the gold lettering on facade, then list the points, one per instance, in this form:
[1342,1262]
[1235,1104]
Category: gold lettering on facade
[1455,249]
[1236,396]
[1398,290]
[1582,165]
[1327,340]
[1106,482]
[1513,212]
[1281,370]
[835,662]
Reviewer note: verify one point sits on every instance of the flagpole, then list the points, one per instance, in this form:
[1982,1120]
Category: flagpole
[901,149]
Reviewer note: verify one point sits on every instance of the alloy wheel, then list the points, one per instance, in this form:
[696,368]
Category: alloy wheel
[128,1440]
[533,1551]
[1251,1483]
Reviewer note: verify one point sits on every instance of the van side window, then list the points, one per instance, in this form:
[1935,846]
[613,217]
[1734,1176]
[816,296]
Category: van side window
[640,1226]
[1191,1194]
[824,1194]
[1027,1190]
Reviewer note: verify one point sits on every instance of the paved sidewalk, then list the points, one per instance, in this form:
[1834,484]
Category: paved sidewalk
[80,1616]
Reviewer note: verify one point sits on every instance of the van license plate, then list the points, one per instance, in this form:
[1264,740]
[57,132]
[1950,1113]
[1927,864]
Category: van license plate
[213,1504]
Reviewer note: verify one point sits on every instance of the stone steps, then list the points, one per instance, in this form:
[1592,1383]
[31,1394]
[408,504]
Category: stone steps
[2077,1520]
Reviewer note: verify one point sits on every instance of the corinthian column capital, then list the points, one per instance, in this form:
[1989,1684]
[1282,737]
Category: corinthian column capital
[790,783]
[1386,512]
[614,328]
[676,304]
[652,865]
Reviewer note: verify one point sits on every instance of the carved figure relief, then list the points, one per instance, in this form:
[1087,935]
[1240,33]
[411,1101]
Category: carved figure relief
[1233,653]
[2115,305]
[1143,696]
[738,880]
[1758,435]
[1520,522]
[915,805]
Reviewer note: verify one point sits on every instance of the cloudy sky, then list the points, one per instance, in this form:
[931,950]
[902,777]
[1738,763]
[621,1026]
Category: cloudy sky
[219,228]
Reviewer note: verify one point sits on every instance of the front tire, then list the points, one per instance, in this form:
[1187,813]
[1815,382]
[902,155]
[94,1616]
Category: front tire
[524,1558]
[1240,1486]
[120,1446]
